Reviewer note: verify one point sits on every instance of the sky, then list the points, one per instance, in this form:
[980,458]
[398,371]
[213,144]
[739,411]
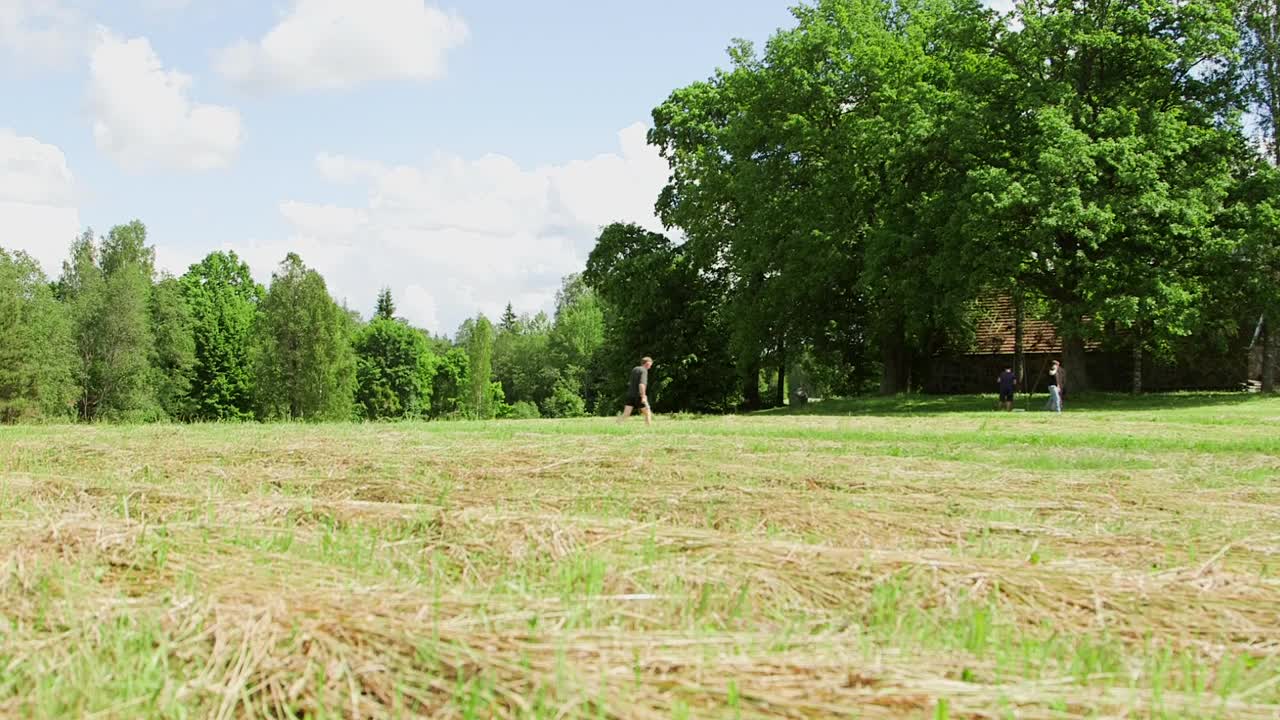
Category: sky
[465,156]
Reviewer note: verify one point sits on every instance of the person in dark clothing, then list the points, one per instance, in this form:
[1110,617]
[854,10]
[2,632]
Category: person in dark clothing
[638,392]
[1057,386]
[1007,383]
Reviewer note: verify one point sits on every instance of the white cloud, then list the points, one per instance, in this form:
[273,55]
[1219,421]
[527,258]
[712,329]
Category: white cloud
[41,32]
[418,305]
[144,116]
[452,237]
[335,44]
[37,210]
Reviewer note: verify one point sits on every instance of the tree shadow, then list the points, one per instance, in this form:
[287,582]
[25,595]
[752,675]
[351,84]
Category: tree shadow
[948,404]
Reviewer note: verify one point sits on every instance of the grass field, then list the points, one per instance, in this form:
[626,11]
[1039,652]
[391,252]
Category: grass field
[915,558]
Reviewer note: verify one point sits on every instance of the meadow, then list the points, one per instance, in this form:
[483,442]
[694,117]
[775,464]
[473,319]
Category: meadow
[903,558]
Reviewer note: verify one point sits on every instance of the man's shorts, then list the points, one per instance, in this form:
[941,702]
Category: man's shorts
[634,401]
[1006,397]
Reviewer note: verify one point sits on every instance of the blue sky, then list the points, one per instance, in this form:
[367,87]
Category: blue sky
[464,155]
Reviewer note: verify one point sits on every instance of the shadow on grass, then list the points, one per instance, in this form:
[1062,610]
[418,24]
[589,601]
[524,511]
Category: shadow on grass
[946,404]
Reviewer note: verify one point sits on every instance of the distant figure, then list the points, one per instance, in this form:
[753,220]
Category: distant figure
[1057,383]
[638,392]
[1007,382]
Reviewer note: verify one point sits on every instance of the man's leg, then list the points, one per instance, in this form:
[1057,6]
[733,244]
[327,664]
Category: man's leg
[626,413]
[648,415]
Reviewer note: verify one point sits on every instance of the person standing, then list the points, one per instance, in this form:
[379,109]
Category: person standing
[1057,384]
[638,392]
[1007,383]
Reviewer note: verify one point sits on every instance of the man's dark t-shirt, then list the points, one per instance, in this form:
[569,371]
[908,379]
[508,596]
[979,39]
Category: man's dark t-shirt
[639,376]
[1007,381]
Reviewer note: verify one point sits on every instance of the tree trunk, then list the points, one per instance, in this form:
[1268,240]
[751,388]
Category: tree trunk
[893,378]
[1019,342]
[780,394]
[751,387]
[1268,357]
[1073,359]
[1137,366]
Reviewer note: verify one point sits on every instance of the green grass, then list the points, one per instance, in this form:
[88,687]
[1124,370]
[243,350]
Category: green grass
[908,557]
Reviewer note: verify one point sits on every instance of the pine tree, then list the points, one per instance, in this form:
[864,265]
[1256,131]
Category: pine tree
[509,322]
[386,306]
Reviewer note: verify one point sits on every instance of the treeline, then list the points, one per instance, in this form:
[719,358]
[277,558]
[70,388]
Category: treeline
[839,201]
[847,194]
[111,340]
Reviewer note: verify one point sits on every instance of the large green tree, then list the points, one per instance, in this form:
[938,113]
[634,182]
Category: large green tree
[394,367]
[173,354]
[450,382]
[224,301]
[107,288]
[657,303]
[305,367]
[37,357]
[1110,131]
[814,179]
[575,339]
[521,363]
[477,337]
[1260,30]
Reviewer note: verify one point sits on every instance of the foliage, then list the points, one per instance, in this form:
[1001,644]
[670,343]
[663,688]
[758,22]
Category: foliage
[386,308]
[394,370]
[450,383]
[477,338]
[106,286]
[173,356]
[305,367]
[523,410]
[37,358]
[224,301]
[658,304]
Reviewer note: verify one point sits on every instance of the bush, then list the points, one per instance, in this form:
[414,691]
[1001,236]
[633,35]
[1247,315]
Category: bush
[565,402]
[523,410]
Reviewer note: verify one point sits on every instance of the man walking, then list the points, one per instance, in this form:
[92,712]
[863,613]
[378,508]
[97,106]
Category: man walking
[1006,383]
[638,392]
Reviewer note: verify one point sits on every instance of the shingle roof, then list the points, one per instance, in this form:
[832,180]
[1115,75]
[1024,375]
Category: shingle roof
[995,330]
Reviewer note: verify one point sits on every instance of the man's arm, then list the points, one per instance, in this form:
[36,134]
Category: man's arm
[644,395]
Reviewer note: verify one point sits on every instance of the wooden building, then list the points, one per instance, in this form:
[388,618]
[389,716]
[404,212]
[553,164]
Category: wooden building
[1110,360]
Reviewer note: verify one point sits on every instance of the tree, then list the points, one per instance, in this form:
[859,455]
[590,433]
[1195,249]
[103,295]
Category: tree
[107,288]
[394,369]
[173,354]
[224,301]
[479,345]
[793,177]
[575,338]
[509,320]
[1260,31]
[37,358]
[521,361]
[305,367]
[450,383]
[386,308]
[1107,160]
[657,303]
